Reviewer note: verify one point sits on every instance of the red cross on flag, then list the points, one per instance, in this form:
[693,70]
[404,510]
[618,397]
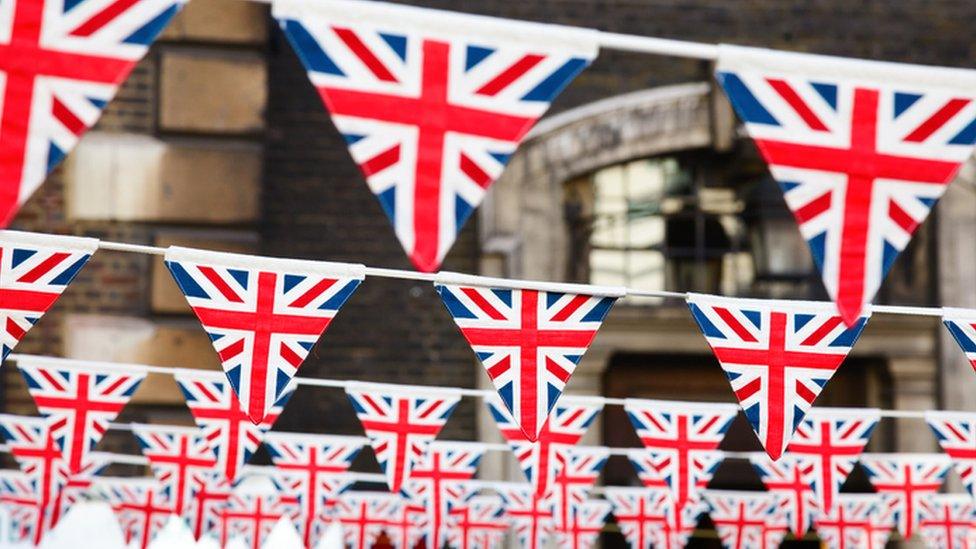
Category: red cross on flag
[827,444]
[432,104]
[401,421]
[956,433]
[648,517]
[250,516]
[366,515]
[529,336]
[681,442]
[578,468]
[263,315]
[584,524]
[949,522]
[848,524]
[530,515]
[60,64]
[139,505]
[33,445]
[566,426]
[861,149]
[34,271]
[906,483]
[478,523]
[778,356]
[740,518]
[79,400]
[210,495]
[784,479]
[21,497]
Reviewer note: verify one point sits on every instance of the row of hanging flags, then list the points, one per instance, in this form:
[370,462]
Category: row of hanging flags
[433,104]
[433,498]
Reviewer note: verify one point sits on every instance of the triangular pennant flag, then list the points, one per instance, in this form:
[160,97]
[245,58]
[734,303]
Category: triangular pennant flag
[740,518]
[577,471]
[21,497]
[530,337]
[315,464]
[956,432]
[566,426]
[262,314]
[209,499]
[681,439]
[432,104]
[784,479]
[139,506]
[848,523]
[78,486]
[181,460]
[439,481]
[291,485]
[585,524]
[79,400]
[778,356]
[648,517]
[949,522]
[33,445]
[35,269]
[401,422]
[410,526]
[62,63]
[861,149]
[365,515]
[250,516]
[530,515]
[778,525]
[961,323]
[826,446]
[905,482]
[478,523]
[230,432]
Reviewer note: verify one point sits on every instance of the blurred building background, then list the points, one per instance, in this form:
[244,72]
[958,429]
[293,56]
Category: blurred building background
[638,176]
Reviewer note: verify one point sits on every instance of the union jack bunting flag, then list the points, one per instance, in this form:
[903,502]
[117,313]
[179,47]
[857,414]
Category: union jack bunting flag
[566,426]
[315,466]
[529,339]
[478,523]
[77,487]
[181,460]
[648,517]
[79,52]
[383,71]
[530,516]
[226,427]
[441,480]
[409,525]
[848,524]
[906,482]
[949,522]
[956,432]
[210,495]
[34,270]
[740,518]
[826,446]
[21,497]
[365,515]
[862,151]
[263,315]
[681,439]
[585,523]
[785,480]
[79,399]
[291,486]
[32,444]
[400,423]
[577,470]
[777,526]
[252,516]
[961,323]
[778,356]
[139,506]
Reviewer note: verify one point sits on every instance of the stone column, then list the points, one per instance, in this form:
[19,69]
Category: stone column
[915,389]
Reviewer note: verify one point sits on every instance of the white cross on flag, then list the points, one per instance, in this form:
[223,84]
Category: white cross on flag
[848,524]
[478,523]
[566,426]
[906,482]
[681,440]
[778,356]
[740,518]
[401,422]
[61,62]
[949,522]
[861,149]
[827,444]
[366,515]
[956,433]
[432,104]
[529,336]
[263,315]
[578,468]
[139,505]
[784,479]
[35,269]
[648,517]
[79,400]
[530,515]
[226,427]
